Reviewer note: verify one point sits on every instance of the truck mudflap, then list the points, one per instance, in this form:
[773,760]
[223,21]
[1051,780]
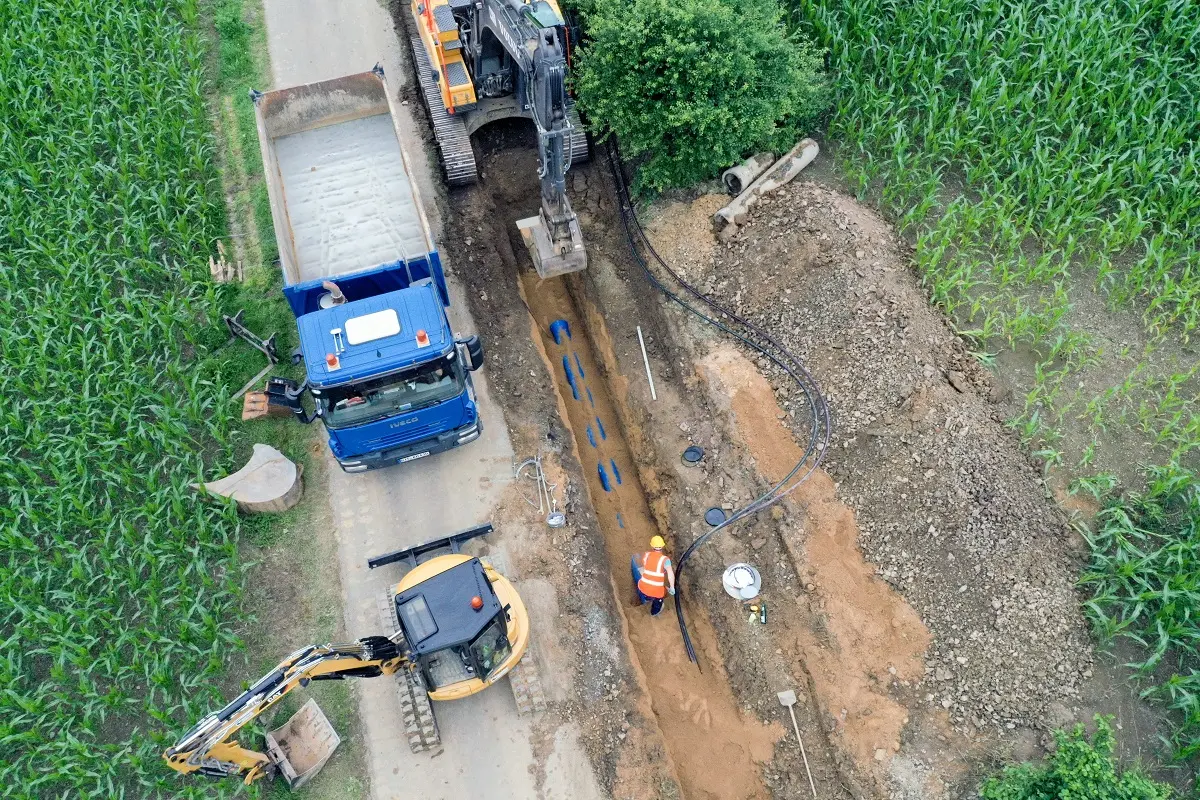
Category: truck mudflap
[414,451]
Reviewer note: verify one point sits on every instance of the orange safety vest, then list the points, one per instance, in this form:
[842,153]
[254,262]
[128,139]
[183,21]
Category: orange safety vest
[653,582]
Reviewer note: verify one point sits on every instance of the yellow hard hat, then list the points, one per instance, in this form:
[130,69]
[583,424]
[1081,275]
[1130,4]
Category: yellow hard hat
[657,543]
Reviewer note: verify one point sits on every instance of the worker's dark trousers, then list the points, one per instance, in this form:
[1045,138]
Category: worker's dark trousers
[656,603]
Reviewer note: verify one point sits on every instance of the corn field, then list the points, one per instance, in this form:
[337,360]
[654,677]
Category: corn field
[1030,143]
[1145,580]
[118,589]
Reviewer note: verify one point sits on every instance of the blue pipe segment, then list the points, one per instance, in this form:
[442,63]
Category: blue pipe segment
[558,329]
[603,477]
[570,377]
[616,472]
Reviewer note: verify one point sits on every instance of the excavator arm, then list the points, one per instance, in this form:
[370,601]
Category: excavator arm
[209,747]
[533,33]
[483,60]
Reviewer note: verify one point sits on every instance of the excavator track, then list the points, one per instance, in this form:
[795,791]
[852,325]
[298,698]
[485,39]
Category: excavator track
[527,686]
[580,154]
[454,143]
[387,613]
[417,712]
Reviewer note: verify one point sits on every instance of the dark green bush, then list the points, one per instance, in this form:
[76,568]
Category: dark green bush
[695,85]
[1079,769]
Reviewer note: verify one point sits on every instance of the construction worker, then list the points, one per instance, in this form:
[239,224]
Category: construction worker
[653,576]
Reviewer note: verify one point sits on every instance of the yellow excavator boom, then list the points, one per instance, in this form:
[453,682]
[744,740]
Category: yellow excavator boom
[209,747]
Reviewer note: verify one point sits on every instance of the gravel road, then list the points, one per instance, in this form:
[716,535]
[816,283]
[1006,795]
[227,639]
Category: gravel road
[488,750]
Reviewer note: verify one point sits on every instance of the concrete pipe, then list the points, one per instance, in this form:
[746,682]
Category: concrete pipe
[736,179]
[726,221]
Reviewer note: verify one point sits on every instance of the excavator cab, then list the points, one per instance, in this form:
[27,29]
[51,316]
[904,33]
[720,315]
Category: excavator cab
[461,636]
[463,626]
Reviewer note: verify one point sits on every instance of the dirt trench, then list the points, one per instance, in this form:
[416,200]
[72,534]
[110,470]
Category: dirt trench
[654,724]
[715,747]
[683,722]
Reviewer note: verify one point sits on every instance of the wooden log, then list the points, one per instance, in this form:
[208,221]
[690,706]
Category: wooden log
[269,483]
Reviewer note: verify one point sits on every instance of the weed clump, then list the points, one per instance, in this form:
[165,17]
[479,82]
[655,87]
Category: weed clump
[1080,768]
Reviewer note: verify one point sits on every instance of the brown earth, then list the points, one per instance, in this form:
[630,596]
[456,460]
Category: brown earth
[921,592]
[952,511]
[871,637]
[714,748]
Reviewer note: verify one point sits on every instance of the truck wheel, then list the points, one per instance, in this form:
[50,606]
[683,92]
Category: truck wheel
[527,686]
[387,613]
[419,724]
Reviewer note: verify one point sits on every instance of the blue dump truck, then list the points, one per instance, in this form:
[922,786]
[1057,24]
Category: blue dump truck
[387,376]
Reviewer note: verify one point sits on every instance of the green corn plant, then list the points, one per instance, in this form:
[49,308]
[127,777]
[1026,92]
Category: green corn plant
[1144,582]
[121,590]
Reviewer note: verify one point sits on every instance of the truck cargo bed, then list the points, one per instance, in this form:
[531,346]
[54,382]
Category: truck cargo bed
[348,197]
[342,196]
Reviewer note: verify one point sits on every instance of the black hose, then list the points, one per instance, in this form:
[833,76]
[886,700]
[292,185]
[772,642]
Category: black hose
[822,426]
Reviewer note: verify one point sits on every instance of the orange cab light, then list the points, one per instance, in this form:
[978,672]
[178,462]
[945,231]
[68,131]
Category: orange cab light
[477,603]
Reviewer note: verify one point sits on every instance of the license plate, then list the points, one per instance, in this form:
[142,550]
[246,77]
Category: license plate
[414,457]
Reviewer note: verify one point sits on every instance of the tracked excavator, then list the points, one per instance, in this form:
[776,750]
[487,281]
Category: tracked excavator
[479,61]
[457,628]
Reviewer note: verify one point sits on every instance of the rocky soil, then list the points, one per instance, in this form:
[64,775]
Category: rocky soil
[951,510]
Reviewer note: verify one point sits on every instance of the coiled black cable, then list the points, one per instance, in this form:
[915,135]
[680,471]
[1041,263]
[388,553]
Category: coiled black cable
[752,336]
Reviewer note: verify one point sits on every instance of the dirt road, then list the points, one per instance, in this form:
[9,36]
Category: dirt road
[488,749]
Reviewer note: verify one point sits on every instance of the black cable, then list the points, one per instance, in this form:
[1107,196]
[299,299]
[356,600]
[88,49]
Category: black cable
[822,429]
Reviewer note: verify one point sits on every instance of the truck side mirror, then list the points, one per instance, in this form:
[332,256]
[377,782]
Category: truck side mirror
[287,393]
[474,351]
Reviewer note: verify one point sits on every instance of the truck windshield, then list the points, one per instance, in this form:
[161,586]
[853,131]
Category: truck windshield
[422,386]
[491,648]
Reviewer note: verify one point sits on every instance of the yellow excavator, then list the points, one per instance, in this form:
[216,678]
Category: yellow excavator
[458,627]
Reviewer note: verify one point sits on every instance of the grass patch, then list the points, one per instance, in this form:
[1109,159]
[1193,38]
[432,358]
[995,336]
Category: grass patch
[1144,581]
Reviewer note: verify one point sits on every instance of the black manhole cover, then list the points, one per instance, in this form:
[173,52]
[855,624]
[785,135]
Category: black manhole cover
[692,456]
[714,516]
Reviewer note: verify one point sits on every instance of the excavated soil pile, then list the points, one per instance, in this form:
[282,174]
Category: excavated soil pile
[950,510]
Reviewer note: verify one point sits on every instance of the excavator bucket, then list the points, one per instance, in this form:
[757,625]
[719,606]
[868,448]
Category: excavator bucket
[552,258]
[302,746]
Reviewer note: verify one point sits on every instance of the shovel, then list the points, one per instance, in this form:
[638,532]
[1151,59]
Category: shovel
[788,699]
